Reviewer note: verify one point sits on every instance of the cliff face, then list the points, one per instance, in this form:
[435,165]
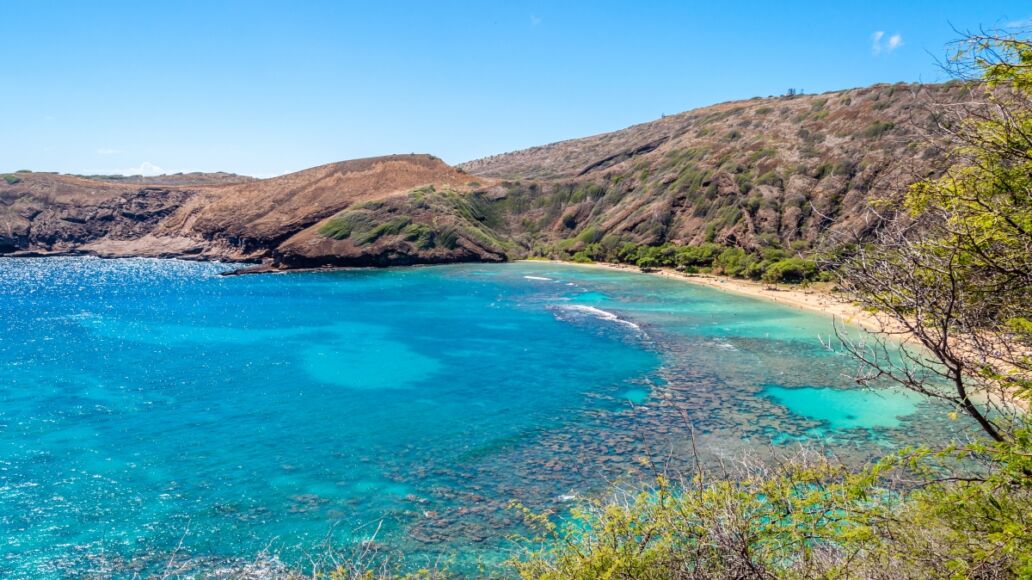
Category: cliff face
[43,213]
[778,171]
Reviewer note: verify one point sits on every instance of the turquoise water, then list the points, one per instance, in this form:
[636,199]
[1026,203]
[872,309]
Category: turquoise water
[154,411]
[847,409]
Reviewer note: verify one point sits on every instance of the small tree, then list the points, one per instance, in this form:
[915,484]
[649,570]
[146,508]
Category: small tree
[954,270]
[792,270]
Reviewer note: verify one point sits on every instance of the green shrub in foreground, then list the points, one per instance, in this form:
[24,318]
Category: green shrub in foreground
[807,518]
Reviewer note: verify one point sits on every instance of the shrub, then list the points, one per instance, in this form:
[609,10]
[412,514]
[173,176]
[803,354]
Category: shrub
[389,228]
[790,270]
[718,529]
[733,261]
[12,179]
[770,178]
[647,262]
[419,234]
[628,253]
[692,256]
[448,237]
[877,128]
[596,252]
[803,517]
[342,225]
[587,191]
[590,235]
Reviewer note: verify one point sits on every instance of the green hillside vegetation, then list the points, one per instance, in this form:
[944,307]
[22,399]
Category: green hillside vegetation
[774,265]
[515,224]
[784,173]
[426,217]
[765,182]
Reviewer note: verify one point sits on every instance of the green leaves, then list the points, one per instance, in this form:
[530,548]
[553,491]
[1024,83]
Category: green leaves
[806,518]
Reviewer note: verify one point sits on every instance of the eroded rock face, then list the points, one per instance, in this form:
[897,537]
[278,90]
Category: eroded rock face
[248,220]
[48,213]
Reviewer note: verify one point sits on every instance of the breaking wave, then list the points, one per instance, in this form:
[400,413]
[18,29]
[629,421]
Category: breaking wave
[599,314]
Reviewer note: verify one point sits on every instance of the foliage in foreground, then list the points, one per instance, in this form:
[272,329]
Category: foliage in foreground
[807,518]
[955,271]
[908,516]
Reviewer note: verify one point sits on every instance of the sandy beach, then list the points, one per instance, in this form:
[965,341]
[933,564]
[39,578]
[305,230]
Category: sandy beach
[810,298]
[807,298]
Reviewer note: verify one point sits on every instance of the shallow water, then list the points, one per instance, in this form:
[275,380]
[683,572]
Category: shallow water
[155,411]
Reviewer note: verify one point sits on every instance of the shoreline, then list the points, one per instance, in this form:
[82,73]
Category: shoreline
[810,299]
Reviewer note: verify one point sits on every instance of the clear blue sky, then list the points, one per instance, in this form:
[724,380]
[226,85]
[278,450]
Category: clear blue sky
[263,88]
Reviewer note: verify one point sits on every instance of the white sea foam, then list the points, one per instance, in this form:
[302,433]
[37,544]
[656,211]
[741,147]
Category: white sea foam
[538,278]
[600,314]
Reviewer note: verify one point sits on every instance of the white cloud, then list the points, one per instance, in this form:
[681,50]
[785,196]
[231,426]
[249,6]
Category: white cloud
[145,168]
[270,175]
[878,46]
[535,21]
[1023,23]
[106,151]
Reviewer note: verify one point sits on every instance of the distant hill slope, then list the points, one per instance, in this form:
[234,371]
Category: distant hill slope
[772,170]
[775,172]
[193,178]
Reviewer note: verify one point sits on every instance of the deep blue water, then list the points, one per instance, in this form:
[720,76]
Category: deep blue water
[154,411]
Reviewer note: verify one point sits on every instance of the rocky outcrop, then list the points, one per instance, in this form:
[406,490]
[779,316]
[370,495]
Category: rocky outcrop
[254,220]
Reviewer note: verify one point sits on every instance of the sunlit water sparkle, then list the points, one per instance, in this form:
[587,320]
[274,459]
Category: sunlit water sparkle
[153,404]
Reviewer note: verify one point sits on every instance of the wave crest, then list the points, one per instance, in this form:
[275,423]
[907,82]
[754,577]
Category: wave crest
[599,314]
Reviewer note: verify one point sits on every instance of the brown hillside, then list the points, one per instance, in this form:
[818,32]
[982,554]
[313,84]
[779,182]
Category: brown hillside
[255,215]
[762,171]
[777,172]
[48,213]
[175,179]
